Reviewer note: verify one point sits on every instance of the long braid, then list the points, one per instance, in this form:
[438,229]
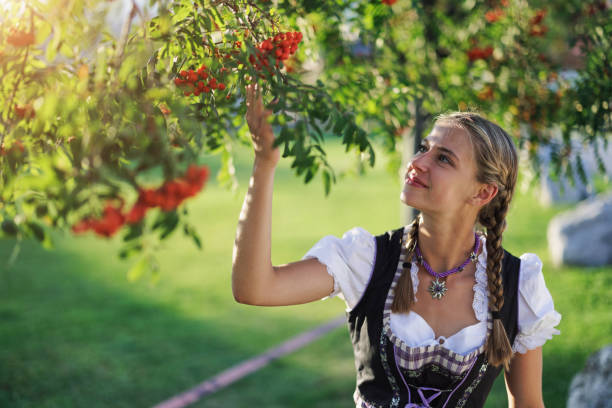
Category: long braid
[493,217]
[404,291]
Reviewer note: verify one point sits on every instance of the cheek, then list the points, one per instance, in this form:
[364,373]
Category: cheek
[452,189]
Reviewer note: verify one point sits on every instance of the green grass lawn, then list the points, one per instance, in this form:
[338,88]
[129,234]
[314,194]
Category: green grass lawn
[74,332]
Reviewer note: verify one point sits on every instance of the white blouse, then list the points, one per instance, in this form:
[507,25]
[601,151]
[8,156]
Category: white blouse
[350,261]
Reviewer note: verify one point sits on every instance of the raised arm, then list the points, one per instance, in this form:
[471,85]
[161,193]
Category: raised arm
[255,280]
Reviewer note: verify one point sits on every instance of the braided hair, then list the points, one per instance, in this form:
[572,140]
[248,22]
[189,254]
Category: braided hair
[404,293]
[496,163]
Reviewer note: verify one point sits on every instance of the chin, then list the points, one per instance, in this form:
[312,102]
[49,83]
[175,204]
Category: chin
[406,199]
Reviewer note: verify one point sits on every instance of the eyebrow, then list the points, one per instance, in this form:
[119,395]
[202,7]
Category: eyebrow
[444,149]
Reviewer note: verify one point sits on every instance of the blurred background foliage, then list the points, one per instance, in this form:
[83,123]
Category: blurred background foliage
[94,120]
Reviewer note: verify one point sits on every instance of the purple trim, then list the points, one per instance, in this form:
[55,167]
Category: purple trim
[371,275]
[420,390]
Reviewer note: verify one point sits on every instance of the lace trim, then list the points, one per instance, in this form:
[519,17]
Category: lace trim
[468,391]
[480,304]
[538,334]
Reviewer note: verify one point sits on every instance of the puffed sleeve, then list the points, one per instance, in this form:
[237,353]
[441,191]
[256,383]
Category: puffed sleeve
[349,261]
[537,317]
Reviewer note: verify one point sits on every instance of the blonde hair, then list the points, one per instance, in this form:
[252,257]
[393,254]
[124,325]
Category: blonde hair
[496,163]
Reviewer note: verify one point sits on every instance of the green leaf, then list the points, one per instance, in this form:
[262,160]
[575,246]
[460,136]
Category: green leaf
[37,230]
[166,223]
[309,175]
[138,269]
[339,125]
[134,231]
[326,182]
[9,227]
[191,232]
[130,250]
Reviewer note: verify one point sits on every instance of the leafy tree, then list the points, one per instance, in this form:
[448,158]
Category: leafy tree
[105,134]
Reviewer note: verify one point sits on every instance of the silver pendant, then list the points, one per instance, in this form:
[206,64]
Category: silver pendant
[437,288]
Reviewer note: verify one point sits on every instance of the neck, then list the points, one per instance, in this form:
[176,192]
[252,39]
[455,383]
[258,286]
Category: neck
[445,243]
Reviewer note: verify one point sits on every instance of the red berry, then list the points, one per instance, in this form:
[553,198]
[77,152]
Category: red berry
[221,86]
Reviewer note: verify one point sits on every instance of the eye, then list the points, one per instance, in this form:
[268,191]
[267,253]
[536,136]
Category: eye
[444,158]
[421,148]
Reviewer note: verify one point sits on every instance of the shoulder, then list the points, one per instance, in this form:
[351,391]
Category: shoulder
[349,260]
[537,315]
[531,264]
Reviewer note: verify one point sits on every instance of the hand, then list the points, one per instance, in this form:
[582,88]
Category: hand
[261,131]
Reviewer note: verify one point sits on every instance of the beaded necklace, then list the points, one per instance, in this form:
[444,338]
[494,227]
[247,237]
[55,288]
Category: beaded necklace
[438,286]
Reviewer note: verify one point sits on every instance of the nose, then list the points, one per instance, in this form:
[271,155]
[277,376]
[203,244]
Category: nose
[419,162]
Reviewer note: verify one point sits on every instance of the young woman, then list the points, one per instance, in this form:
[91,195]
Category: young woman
[435,309]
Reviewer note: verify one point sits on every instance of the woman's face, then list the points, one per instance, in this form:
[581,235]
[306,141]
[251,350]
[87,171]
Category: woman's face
[441,177]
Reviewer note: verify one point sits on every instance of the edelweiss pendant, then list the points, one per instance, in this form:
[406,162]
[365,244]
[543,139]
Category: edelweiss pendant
[437,289]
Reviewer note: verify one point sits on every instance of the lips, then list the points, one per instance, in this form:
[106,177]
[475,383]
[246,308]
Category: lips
[415,180]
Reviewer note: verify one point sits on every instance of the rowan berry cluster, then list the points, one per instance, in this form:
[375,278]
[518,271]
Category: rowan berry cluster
[479,53]
[170,195]
[280,47]
[537,28]
[16,149]
[167,197]
[25,111]
[594,8]
[199,81]
[493,15]
[389,2]
[112,219]
[20,38]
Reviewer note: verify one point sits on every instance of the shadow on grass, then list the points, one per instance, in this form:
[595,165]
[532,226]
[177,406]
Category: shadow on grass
[68,338]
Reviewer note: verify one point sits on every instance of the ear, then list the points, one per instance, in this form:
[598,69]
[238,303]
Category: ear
[484,194]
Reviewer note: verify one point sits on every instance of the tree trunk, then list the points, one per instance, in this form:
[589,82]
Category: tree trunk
[410,142]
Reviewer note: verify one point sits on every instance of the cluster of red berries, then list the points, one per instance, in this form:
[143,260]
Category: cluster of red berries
[389,2]
[537,28]
[493,15]
[280,47]
[596,7]
[167,197]
[20,38]
[479,53]
[171,194]
[112,219]
[17,148]
[199,81]
[25,111]
[486,94]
